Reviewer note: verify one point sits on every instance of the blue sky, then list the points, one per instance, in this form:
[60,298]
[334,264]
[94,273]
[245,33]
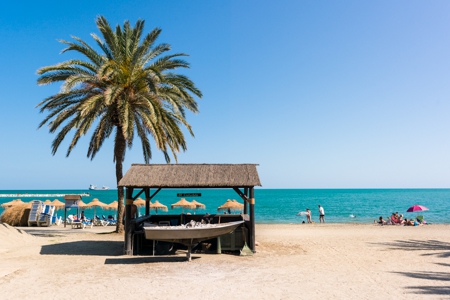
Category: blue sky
[320,94]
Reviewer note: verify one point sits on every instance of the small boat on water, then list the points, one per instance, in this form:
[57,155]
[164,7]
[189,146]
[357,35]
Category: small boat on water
[186,235]
[95,188]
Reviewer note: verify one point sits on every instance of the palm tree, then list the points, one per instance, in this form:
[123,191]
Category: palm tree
[125,89]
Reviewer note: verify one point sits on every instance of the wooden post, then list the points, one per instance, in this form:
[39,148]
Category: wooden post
[128,238]
[245,202]
[147,201]
[252,220]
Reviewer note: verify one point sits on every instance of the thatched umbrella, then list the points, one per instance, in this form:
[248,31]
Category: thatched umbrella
[48,202]
[231,205]
[198,205]
[58,204]
[139,202]
[12,203]
[157,205]
[16,215]
[95,203]
[81,204]
[113,205]
[183,203]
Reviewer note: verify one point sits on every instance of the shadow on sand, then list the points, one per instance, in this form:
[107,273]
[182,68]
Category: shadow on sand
[101,248]
[434,248]
[443,277]
[438,248]
[145,260]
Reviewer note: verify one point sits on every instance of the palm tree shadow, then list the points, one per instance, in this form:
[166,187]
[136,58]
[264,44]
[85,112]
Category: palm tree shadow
[436,248]
[433,248]
[443,277]
[101,248]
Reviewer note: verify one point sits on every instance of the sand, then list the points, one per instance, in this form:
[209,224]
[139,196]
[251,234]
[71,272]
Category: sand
[297,261]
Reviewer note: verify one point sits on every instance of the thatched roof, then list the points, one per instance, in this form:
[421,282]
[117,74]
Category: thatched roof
[191,176]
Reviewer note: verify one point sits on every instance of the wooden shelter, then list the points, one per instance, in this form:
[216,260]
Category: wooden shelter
[242,178]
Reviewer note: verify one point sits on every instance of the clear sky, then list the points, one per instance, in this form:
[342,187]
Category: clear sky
[320,94]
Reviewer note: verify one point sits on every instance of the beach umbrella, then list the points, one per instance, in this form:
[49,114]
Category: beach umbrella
[158,206]
[95,203]
[416,208]
[183,203]
[113,205]
[231,205]
[12,203]
[81,204]
[58,204]
[198,204]
[48,202]
[139,202]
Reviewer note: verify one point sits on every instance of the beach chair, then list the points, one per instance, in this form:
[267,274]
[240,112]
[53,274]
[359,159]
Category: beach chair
[75,223]
[36,208]
[87,223]
[45,217]
[421,220]
[99,222]
[56,220]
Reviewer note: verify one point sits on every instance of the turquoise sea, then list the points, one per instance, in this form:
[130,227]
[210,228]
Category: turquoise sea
[282,205]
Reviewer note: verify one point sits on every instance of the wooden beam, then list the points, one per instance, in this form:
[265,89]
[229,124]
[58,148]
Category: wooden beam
[154,194]
[252,220]
[245,202]
[244,197]
[128,233]
[135,197]
[147,201]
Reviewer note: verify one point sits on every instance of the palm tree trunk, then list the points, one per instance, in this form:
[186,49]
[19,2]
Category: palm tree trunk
[119,154]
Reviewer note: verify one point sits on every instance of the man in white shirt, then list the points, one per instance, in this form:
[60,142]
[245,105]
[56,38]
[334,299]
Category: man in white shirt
[321,214]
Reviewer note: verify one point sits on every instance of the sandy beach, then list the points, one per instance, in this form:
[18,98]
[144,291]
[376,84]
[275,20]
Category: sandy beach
[293,261]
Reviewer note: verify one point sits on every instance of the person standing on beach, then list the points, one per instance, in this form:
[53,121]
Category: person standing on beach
[308,215]
[321,214]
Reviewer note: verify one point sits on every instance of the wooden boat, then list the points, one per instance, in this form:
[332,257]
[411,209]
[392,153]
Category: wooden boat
[189,236]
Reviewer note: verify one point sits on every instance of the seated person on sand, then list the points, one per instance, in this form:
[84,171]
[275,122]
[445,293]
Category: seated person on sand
[409,222]
[420,220]
[381,221]
[394,219]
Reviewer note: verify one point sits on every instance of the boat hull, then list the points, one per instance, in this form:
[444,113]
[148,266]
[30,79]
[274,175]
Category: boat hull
[191,235]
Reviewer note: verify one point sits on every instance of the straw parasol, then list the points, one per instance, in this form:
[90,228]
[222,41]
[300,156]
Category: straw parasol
[48,202]
[16,215]
[12,203]
[95,203]
[198,204]
[232,205]
[113,205]
[157,205]
[139,202]
[58,204]
[183,203]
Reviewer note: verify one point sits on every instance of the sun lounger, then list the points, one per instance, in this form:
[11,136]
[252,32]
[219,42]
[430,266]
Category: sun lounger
[45,217]
[36,208]
[76,224]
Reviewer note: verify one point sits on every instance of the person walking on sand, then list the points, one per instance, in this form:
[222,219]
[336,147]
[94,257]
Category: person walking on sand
[321,214]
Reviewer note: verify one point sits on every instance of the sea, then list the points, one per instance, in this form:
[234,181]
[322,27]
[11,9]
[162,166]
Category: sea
[282,206]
